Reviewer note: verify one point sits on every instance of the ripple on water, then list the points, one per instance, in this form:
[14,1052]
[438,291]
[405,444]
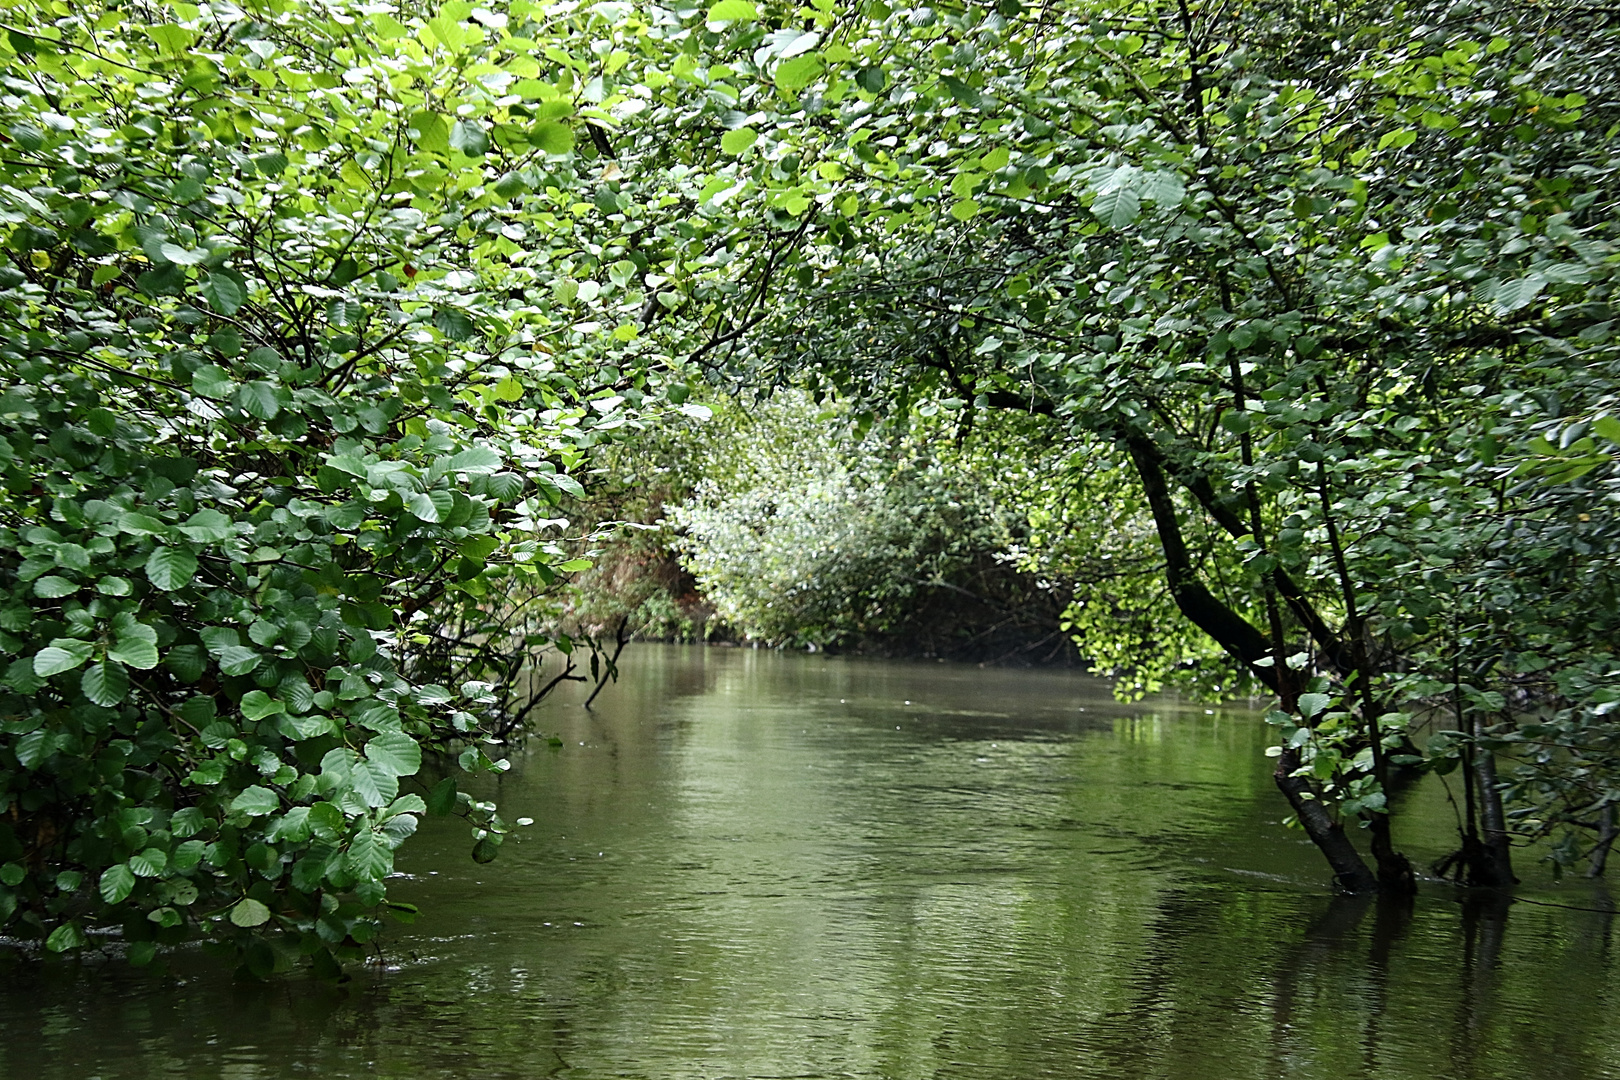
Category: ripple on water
[750,865]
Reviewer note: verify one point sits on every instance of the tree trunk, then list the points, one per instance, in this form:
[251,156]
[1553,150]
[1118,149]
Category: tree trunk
[1349,868]
[1239,637]
[1395,874]
[1606,837]
[1227,628]
[1495,867]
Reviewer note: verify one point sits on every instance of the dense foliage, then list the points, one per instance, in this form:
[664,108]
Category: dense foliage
[803,530]
[282,402]
[1323,296]
[1287,334]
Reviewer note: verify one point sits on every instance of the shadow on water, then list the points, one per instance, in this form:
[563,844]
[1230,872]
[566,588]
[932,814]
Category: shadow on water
[750,865]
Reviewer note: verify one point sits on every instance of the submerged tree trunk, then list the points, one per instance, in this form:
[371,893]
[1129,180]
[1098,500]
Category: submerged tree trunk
[1496,863]
[1395,874]
[1606,837]
[1349,868]
[1485,859]
[1239,637]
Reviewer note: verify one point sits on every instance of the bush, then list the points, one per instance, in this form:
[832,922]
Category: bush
[266,420]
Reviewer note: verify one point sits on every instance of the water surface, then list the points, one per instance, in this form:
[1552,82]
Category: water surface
[754,865]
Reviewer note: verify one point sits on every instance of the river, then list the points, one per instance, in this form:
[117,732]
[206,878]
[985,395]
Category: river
[745,864]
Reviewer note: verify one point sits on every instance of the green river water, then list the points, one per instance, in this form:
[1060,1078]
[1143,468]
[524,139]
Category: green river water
[753,865]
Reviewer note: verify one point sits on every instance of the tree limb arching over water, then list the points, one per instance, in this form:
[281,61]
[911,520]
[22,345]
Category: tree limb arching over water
[1294,329]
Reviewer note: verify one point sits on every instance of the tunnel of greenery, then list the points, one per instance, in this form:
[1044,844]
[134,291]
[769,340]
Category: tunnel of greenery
[1234,348]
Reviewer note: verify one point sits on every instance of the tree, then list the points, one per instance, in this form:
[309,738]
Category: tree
[804,529]
[1327,294]
[285,388]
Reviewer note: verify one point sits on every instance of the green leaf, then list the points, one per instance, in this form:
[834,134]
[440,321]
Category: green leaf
[442,799]
[395,752]
[171,568]
[1117,207]
[225,340]
[430,506]
[1513,295]
[183,256]
[552,137]
[187,822]
[137,653]
[256,705]
[166,279]
[298,694]
[273,163]
[66,937]
[965,209]
[326,820]
[407,804]
[187,662]
[138,524]
[300,728]
[368,858]
[105,683]
[261,399]
[114,586]
[1311,704]
[52,587]
[309,872]
[450,32]
[1163,188]
[431,132]
[208,774]
[735,142]
[174,40]
[796,74]
[35,748]
[1608,427]
[208,525]
[376,784]
[149,863]
[255,801]
[62,654]
[165,917]
[224,291]
[249,913]
[117,882]
[291,827]
[454,324]
[136,643]
[871,79]
[732,11]
[469,137]
[212,381]
[474,459]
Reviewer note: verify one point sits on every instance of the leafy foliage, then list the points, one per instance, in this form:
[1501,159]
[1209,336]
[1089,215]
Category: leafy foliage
[1326,296]
[315,310]
[275,399]
[801,531]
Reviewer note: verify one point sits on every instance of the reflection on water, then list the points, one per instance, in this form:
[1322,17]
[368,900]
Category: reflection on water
[749,865]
